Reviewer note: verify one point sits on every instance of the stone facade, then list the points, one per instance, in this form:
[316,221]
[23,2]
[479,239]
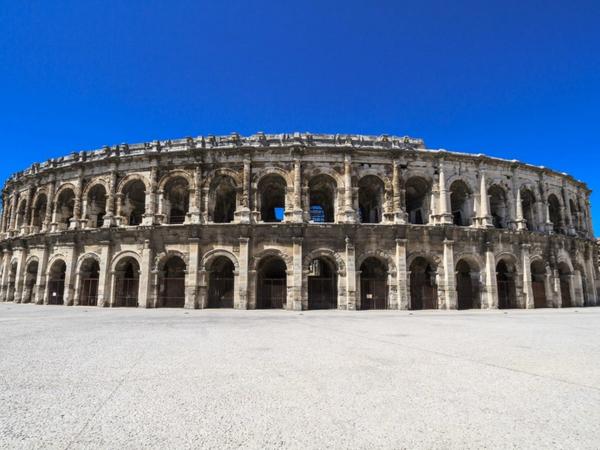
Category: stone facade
[296,221]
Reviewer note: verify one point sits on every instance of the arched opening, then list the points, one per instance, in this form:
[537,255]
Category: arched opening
[271,190]
[498,206]
[507,290]
[538,284]
[127,282]
[370,199]
[417,195]
[467,285]
[373,284]
[96,206]
[554,213]
[21,215]
[12,282]
[423,286]
[30,281]
[56,283]
[271,290]
[177,200]
[224,199]
[221,283]
[528,204]
[134,202]
[322,284]
[322,189]
[566,277]
[460,195]
[39,212]
[65,204]
[89,274]
[172,284]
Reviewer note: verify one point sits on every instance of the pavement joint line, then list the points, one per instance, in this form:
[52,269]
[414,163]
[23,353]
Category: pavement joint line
[462,358]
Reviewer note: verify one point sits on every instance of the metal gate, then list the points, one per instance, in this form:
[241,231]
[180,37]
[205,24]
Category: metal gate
[422,294]
[373,293]
[272,293]
[173,294]
[506,294]
[127,290]
[89,292]
[56,292]
[322,293]
[220,292]
[465,291]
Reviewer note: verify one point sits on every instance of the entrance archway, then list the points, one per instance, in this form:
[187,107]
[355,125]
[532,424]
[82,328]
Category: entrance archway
[417,194]
[460,199]
[134,202]
[30,281]
[565,276]
[423,288]
[322,191]
[89,275]
[322,284]
[373,284]
[505,280]
[370,199]
[172,284]
[221,283]
[467,285]
[538,284]
[271,289]
[56,283]
[127,282]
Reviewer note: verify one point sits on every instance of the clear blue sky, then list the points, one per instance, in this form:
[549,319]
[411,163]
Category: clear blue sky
[516,79]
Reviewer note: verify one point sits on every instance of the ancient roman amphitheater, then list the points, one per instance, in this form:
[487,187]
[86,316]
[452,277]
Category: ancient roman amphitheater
[295,221]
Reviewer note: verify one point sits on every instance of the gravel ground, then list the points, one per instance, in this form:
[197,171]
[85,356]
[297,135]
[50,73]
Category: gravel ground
[76,377]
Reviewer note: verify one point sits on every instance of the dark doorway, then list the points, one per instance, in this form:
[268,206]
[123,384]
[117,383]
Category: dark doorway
[30,281]
[272,198]
[272,285]
[538,284]
[370,199]
[423,288]
[565,285]
[373,284]
[127,283]
[89,273]
[172,286]
[322,190]
[467,286]
[322,285]
[507,291]
[134,202]
[221,283]
[417,192]
[56,283]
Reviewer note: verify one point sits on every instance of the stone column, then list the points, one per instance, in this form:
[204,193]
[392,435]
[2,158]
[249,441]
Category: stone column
[25,228]
[109,217]
[449,275]
[6,257]
[13,212]
[242,295]
[297,204]
[70,253]
[196,196]
[49,208]
[205,204]
[445,217]
[191,279]
[149,217]
[485,219]
[20,278]
[491,283]
[527,282]
[41,281]
[349,213]
[105,277]
[398,204]
[242,215]
[296,300]
[351,300]
[402,274]
[520,220]
[202,288]
[145,294]
[74,222]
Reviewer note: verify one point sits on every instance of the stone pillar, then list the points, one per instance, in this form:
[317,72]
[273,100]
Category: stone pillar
[592,293]
[41,281]
[149,217]
[145,293]
[13,212]
[398,204]
[75,220]
[485,219]
[242,215]
[491,283]
[445,217]
[196,196]
[402,274]
[191,278]
[297,204]
[449,275]
[20,278]
[202,288]
[578,298]
[70,253]
[351,300]
[349,213]
[49,208]
[296,291]
[527,282]
[109,217]
[105,277]
[7,256]
[25,228]
[520,220]
[242,294]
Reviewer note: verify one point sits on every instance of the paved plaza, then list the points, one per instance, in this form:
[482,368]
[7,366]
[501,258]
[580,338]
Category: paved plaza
[77,377]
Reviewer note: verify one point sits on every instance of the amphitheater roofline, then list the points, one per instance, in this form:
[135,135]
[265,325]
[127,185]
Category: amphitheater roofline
[264,140]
